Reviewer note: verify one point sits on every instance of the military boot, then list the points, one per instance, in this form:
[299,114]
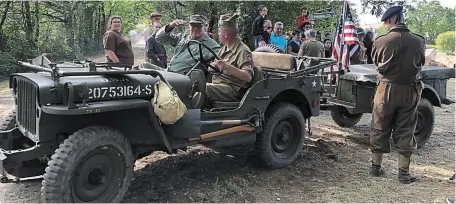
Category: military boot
[376,168]
[404,175]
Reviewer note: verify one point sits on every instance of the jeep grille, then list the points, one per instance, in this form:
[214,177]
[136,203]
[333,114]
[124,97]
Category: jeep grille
[26,94]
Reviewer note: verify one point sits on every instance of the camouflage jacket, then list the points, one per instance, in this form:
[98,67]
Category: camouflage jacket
[182,61]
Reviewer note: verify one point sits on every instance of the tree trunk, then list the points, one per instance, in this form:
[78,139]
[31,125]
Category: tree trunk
[37,24]
[2,21]
[28,25]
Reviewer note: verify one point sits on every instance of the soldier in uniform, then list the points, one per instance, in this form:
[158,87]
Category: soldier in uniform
[182,62]
[399,57]
[235,64]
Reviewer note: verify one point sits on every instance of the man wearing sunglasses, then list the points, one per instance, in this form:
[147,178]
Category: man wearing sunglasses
[182,61]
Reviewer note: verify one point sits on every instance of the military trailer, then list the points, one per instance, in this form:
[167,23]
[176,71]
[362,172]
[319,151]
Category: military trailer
[353,96]
[87,122]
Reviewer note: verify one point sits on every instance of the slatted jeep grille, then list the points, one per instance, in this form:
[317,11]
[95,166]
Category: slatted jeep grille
[26,105]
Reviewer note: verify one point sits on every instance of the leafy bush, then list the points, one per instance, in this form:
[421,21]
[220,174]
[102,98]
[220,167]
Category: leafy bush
[445,41]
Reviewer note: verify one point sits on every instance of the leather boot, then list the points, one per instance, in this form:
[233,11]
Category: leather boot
[376,167]
[404,175]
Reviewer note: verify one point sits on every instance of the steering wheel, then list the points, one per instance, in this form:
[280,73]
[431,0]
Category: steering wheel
[215,71]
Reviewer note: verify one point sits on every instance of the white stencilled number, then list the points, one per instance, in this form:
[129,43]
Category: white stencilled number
[96,92]
[104,90]
[130,90]
[90,93]
[112,92]
[138,90]
[120,91]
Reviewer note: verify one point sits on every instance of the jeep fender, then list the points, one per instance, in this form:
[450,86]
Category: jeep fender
[430,94]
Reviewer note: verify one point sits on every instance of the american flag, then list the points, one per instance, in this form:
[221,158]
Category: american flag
[350,36]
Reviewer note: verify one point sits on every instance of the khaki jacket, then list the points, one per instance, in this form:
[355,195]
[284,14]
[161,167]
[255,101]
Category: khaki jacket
[399,55]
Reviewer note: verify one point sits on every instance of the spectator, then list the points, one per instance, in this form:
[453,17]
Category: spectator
[312,47]
[153,17]
[206,26]
[328,48]
[368,42]
[157,52]
[117,47]
[258,26]
[303,18]
[267,30]
[294,43]
[277,37]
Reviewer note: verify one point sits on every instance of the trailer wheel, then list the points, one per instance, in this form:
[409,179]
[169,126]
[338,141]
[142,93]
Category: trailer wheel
[283,137]
[343,118]
[94,164]
[425,122]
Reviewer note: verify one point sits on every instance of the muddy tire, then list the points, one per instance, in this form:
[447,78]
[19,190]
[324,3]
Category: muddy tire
[269,48]
[425,123]
[283,137]
[9,121]
[343,118]
[95,164]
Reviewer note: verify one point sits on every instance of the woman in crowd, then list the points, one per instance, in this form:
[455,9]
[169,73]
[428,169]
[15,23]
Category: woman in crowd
[116,46]
[294,43]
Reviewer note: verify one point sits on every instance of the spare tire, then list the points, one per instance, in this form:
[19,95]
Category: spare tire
[269,48]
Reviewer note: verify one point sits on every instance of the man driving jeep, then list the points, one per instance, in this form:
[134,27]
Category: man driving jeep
[235,64]
[182,62]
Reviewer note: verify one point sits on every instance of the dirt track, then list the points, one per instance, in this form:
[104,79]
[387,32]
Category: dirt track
[233,175]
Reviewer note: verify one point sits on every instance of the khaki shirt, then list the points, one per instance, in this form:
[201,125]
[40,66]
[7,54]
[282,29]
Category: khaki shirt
[360,55]
[182,61]
[313,48]
[399,55]
[239,56]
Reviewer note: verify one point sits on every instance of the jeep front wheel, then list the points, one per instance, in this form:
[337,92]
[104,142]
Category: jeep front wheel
[283,137]
[94,164]
[343,118]
[425,122]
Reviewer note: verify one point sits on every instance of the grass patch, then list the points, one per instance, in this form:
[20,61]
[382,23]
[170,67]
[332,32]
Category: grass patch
[4,87]
[431,46]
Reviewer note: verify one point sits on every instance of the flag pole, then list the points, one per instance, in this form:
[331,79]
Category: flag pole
[342,41]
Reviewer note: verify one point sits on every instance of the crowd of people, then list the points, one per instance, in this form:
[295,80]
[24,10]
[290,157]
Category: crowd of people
[303,40]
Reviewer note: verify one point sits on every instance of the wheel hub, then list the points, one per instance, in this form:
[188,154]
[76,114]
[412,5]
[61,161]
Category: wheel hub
[284,137]
[98,176]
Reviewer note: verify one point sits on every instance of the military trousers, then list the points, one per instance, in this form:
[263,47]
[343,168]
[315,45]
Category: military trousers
[223,92]
[394,114]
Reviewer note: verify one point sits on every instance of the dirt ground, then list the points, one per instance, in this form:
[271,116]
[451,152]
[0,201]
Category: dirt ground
[332,167]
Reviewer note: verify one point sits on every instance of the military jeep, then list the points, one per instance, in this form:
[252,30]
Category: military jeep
[354,92]
[88,122]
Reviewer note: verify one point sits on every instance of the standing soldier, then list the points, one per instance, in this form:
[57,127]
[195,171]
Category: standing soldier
[360,55]
[399,57]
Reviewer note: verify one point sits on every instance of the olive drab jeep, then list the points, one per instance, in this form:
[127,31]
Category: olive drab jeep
[86,123]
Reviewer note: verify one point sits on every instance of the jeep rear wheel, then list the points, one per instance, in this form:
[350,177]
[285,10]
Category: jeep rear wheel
[425,122]
[283,137]
[343,118]
[94,164]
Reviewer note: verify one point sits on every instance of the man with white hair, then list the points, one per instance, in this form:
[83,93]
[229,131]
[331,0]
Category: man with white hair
[182,62]
[312,47]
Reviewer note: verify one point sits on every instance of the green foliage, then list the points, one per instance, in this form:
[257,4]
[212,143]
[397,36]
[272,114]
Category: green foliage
[446,41]
[431,18]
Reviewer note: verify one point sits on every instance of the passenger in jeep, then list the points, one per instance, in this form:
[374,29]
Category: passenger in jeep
[236,64]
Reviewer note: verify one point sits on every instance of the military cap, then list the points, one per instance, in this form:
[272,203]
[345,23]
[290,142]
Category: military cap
[154,14]
[197,19]
[391,11]
[228,21]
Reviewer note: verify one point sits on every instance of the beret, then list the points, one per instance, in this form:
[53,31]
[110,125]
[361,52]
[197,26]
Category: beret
[391,11]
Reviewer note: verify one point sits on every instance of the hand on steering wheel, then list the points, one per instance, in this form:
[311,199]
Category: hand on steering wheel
[214,70]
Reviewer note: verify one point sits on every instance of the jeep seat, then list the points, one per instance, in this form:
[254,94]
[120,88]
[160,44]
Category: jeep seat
[258,76]
[280,61]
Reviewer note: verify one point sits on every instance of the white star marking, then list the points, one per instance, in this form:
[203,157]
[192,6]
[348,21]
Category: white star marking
[314,83]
